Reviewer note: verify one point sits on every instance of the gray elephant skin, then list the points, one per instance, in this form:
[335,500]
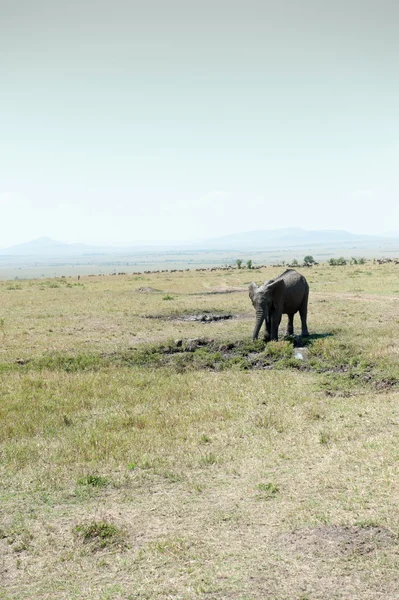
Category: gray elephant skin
[287,294]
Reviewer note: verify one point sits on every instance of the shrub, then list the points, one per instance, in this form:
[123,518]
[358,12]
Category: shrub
[238,263]
[337,261]
[308,260]
[357,261]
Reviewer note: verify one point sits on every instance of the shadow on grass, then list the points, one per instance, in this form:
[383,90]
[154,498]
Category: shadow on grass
[300,341]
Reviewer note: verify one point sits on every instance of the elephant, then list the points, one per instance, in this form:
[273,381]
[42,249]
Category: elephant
[287,294]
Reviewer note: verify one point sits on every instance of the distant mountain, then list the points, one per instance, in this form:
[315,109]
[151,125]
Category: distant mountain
[45,246]
[391,234]
[259,239]
[292,236]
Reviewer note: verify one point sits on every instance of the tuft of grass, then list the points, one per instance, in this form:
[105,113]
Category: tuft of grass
[208,459]
[325,437]
[94,481]
[279,350]
[332,351]
[174,547]
[248,347]
[18,535]
[267,491]
[167,297]
[67,421]
[100,535]
[173,477]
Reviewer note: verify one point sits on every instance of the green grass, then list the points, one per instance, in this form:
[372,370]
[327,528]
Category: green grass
[153,458]
[94,481]
[99,535]
[267,491]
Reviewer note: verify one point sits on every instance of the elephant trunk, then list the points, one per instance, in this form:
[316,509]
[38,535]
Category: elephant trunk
[260,317]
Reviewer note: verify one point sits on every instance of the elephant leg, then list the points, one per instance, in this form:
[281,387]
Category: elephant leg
[290,325]
[275,322]
[267,329]
[303,311]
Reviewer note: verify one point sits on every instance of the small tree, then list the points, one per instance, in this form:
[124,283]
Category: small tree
[249,264]
[358,261]
[334,262]
[308,260]
[238,263]
[295,263]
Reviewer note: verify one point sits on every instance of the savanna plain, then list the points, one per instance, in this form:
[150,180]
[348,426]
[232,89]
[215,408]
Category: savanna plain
[151,450]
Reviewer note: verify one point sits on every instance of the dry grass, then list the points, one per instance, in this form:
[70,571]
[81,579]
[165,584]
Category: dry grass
[123,480]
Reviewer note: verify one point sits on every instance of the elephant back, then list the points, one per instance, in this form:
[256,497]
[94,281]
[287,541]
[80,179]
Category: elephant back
[296,290]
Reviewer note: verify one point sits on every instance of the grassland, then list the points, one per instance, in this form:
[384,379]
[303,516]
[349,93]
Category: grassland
[145,455]
[38,266]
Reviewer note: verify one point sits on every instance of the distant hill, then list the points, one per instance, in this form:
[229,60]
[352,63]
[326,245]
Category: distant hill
[45,246]
[288,237]
[259,239]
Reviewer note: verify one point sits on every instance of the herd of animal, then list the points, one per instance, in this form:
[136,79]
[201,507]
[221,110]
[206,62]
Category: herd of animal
[383,261]
[379,261]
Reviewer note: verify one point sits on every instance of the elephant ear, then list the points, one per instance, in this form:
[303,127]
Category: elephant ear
[252,289]
[276,289]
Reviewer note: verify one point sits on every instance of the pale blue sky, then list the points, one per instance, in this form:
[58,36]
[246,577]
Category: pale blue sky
[126,121]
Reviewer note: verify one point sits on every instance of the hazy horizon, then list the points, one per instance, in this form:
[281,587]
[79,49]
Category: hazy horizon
[133,122]
[132,244]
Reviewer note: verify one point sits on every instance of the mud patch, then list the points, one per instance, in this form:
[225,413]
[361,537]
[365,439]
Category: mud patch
[195,318]
[204,318]
[230,290]
[210,354]
[345,373]
[386,384]
[338,540]
[147,290]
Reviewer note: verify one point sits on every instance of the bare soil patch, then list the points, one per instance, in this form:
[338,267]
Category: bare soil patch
[221,290]
[338,540]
